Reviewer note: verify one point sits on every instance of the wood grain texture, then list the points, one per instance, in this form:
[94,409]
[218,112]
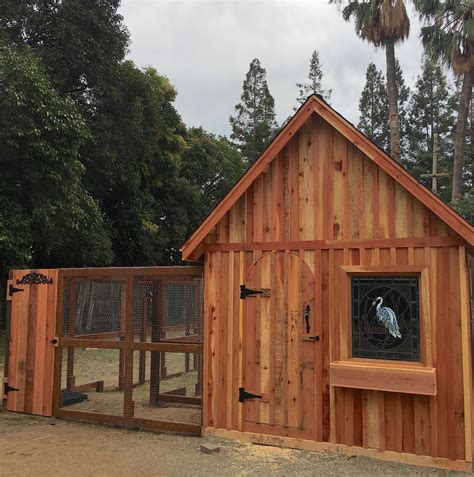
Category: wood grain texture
[337,140]
[31,355]
[415,380]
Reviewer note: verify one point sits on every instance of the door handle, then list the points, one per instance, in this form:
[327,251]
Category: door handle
[307,311]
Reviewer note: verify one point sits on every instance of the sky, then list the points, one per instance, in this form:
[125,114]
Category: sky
[205,48]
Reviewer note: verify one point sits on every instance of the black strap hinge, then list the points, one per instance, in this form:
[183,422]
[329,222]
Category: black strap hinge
[243,395]
[7,388]
[12,290]
[246,292]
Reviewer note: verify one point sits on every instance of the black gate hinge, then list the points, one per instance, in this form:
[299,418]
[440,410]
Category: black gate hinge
[12,290]
[243,395]
[245,292]
[7,388]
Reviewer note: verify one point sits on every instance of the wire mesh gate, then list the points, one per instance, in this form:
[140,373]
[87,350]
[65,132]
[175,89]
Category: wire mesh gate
[130,347]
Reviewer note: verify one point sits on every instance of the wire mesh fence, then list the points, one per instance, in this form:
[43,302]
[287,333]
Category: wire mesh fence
[131,345]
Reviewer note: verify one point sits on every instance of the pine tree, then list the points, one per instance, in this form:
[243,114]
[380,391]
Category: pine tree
[254,124]
[431,111]
[373,107]
[313,84]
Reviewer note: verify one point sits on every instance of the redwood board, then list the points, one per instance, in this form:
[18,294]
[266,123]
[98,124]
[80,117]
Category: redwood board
[31,353]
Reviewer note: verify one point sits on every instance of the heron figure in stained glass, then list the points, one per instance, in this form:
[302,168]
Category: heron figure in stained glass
[387,316]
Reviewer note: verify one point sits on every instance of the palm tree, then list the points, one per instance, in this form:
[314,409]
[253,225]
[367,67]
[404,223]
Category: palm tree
[450,37]
[383,23]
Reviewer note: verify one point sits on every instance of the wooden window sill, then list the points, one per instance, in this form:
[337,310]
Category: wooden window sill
[414,379]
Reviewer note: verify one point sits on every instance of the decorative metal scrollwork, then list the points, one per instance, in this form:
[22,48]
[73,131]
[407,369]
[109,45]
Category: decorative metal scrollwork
[35,279]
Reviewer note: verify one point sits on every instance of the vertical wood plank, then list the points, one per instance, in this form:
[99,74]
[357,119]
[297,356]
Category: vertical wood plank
[466,351]
[230,367]
[293,179]
[338,165]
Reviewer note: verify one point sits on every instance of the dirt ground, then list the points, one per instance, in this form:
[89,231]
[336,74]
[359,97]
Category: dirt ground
[103,364]
[47,446]
[31,445]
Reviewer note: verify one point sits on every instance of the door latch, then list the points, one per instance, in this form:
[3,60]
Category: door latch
[311,338]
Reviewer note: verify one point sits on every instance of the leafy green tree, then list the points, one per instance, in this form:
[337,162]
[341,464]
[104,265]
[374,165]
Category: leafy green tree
[79,43]
[449,35]
[40,172]
[212,164]
[373,107]
[132,163]
[431,112]
[383,23]
[313,83]
[254,125]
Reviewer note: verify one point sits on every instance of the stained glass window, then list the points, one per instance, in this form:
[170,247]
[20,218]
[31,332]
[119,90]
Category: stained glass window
[385,317]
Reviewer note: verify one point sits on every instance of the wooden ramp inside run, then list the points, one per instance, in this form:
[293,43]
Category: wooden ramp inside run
[28,382]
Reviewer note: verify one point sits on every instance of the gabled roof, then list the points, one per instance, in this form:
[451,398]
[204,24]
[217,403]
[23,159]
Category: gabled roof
[315,104]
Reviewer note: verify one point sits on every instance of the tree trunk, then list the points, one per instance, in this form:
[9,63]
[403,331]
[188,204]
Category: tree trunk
[460,136]
[392,101]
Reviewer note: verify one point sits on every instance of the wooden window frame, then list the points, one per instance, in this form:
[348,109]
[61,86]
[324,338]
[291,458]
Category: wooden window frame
[381,374]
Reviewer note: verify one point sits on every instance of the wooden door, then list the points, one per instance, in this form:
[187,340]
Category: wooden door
[29,377]
[279,347]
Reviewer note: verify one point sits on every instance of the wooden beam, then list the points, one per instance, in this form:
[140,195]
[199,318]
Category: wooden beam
[466,346]
[164,397]
[414,380]
[121,273]
[136,422]
[127,308]
[136,345]
[447,241]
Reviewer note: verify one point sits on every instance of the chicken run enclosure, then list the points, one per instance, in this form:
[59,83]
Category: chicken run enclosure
[127,345]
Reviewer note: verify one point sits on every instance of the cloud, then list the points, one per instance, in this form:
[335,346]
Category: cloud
[205,48]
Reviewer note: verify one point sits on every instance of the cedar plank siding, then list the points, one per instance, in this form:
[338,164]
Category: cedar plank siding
[322,187]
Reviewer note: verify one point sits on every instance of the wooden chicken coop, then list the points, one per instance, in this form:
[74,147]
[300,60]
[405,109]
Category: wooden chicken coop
[337,303]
